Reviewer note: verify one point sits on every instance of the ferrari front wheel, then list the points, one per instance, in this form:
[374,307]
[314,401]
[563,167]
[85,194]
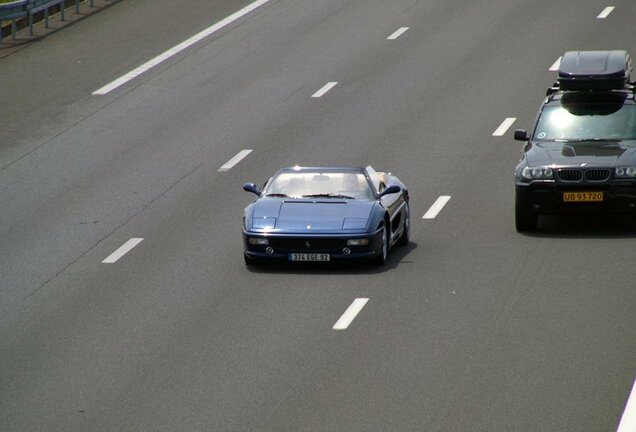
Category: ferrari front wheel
[382,256]
[406,231]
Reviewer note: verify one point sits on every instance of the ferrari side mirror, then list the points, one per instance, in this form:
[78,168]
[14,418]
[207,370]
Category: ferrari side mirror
[390,190]
[251,187]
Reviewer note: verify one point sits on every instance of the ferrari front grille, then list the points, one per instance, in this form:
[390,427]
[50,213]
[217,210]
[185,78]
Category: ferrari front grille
[307,244]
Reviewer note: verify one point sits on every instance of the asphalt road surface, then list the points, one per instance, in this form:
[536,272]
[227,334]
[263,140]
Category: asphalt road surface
[472,327]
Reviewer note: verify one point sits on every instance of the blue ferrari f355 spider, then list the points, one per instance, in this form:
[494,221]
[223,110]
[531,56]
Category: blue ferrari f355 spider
[326,214]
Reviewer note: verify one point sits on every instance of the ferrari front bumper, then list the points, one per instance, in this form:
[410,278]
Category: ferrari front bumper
[281,246]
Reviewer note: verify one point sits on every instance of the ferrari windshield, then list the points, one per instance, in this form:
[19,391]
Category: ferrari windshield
[320,184]
[579,120]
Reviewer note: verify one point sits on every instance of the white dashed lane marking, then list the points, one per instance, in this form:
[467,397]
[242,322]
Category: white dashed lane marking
[324,89]
[504,126]
[123,250]
[555,66]
[236,159]
[436,207]
[608,10]
[177,49]
[628,420]
[398,33]
[350,314]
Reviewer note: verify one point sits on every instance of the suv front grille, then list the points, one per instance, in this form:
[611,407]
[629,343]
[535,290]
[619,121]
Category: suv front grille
[570,175]
[597,175]
[575,175]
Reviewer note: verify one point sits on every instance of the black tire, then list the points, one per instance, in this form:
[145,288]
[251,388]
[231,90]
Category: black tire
[380,260]
[406,234]
[250,261]
[525,220]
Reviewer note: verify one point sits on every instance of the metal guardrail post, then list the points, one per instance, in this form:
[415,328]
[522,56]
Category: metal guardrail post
[34,6]
[11,12]
[18,9]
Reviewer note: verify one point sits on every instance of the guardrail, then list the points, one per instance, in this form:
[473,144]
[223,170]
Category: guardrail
[12,12]
[20,9]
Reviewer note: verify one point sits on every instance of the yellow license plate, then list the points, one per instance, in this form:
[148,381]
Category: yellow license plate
[582,196]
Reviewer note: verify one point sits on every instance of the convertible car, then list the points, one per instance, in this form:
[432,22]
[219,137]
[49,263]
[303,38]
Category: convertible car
[326,214]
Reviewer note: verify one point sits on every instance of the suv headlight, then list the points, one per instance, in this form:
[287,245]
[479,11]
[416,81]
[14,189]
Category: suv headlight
[625,172]
[538,173]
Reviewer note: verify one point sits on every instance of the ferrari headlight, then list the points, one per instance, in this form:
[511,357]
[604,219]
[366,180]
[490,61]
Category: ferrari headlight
[538,173]
[354,223]
[358,242]
[625,172]
[264,222]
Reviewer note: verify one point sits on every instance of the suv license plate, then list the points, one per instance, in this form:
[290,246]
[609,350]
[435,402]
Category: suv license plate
[308,257]
[582,196]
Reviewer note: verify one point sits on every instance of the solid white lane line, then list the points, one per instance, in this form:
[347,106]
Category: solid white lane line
[436,207]
[555,66]
[350,314]
[324,89]
[236,159]
[628,420]
[608,10]
[505,125]
[398,33]
[123,250]
[178,48]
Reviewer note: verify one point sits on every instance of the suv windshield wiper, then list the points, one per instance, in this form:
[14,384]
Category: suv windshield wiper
[582,140]
[328,195]
[277,195]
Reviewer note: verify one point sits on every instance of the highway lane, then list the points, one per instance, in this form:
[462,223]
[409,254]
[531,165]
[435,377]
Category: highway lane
[35,170]
[461,332]
[57,75]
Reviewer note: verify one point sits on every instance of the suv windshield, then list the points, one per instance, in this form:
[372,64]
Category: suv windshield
[315,184]
[588,117]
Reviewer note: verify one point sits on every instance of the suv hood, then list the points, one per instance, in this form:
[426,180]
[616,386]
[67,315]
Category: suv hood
[586,153]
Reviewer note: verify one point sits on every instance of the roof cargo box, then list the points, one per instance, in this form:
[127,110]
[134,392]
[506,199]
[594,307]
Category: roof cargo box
[594,70]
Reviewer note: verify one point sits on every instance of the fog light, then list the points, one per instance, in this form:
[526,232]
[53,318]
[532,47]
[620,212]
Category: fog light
[269,250]
[346,251]
[358,242]
[258,241]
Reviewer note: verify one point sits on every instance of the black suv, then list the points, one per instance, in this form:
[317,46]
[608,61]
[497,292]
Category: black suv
[581,154]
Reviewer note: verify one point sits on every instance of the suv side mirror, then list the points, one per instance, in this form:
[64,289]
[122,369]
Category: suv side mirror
[521,135]
[251,187]
[391,190]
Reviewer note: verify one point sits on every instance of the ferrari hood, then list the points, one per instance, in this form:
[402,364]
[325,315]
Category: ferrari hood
[299,215]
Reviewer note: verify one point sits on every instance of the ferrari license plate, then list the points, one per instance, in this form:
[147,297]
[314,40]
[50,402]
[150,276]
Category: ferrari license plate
[582,196]
[309,257]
